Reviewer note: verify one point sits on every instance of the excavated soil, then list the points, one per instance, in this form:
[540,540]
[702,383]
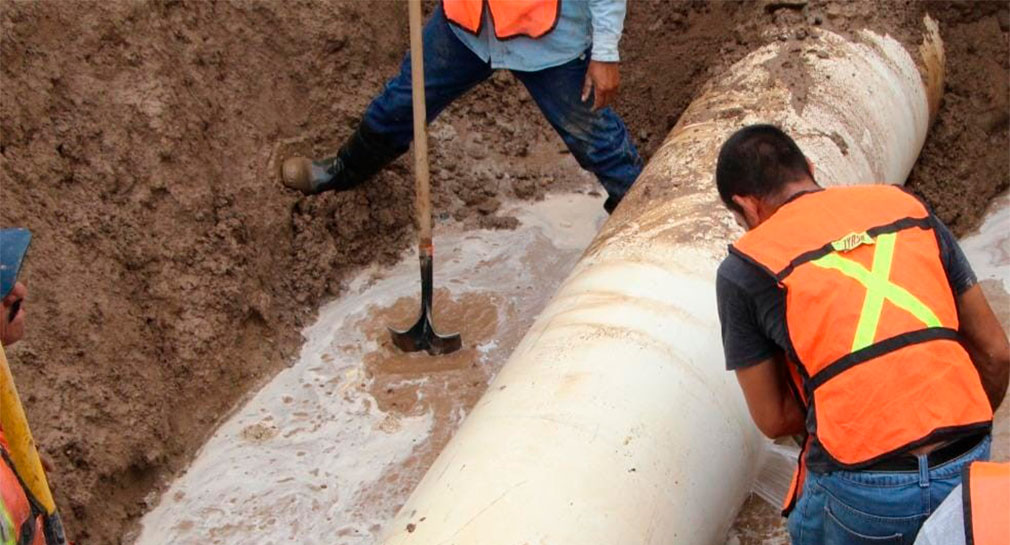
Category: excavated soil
[170,274]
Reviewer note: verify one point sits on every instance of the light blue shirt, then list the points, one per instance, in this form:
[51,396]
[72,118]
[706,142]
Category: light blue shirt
[581,23]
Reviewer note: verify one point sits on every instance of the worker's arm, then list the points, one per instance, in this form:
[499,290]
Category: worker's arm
[603,77]
[980,331]
[772,405]
[750,351]
[986,342]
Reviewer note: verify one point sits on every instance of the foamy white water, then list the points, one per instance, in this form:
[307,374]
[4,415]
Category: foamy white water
[290,466]
[988,249]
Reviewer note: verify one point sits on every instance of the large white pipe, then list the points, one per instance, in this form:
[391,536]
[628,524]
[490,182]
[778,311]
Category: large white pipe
[614,421]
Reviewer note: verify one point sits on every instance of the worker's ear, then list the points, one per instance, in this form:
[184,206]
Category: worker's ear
[748,209]
[810,167]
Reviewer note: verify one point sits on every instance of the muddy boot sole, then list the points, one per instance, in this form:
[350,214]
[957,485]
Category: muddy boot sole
[283,150]
[296,173]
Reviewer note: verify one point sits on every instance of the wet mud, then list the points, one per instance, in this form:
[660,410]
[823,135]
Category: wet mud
[169,269]
[446,387]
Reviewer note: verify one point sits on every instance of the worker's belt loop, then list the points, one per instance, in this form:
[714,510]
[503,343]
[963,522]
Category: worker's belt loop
[923,470]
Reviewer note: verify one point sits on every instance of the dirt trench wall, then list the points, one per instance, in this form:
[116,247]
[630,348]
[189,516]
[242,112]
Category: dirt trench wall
[169,275]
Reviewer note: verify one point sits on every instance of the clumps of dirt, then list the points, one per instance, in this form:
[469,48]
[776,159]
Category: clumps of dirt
[171,273]
[699,39]
[758,524]
[966,159]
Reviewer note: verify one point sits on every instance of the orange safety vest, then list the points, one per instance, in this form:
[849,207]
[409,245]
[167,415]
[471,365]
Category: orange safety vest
[510,18]
[986,496]
[872,324]
[16,512]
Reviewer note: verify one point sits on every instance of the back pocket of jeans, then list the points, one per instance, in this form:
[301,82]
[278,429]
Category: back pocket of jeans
[844,526]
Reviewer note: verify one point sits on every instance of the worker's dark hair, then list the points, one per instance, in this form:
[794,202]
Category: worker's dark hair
[758,160]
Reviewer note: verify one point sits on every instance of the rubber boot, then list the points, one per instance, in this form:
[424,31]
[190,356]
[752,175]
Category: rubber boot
[364,154]
[610,204]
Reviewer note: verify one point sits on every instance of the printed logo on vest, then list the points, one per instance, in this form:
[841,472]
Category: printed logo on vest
[852,241]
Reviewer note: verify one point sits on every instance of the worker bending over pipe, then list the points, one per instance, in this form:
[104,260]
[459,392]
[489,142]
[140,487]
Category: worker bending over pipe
[851,315]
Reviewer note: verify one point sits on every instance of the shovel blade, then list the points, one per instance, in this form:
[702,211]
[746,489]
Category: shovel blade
[422,336]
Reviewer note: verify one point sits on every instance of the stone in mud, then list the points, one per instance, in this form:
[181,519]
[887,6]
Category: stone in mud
[498,222]
[488,206]
[771,6]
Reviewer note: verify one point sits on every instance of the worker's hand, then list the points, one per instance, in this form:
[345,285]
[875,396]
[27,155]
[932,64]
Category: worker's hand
[11,330]
[602,81]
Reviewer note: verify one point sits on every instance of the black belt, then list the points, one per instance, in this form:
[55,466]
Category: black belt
[938,457]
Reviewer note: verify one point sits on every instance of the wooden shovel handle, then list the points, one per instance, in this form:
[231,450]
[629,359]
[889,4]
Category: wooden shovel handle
[423,205]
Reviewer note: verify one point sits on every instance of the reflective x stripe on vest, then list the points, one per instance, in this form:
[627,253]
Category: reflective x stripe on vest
[878,290]
[871,322]
[510,18]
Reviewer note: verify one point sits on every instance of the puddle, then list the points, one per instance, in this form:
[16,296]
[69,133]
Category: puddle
[329,450]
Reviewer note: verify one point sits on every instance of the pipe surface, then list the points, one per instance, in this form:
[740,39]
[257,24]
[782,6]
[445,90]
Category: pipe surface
[614,421]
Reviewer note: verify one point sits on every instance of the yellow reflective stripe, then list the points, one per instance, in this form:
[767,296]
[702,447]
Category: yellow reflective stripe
[878,288]
[873,303]
[7,534]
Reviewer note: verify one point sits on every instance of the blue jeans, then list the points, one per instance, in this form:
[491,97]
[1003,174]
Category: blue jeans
[598,140]
[880,508]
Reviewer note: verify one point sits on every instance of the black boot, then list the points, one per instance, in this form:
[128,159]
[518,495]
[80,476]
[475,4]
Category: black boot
[364,154]
[611,203]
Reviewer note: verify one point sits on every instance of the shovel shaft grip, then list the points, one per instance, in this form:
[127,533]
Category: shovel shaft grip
[420,124]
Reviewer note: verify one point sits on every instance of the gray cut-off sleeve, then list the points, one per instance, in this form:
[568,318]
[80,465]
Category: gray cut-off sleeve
[743,340]
[959,271]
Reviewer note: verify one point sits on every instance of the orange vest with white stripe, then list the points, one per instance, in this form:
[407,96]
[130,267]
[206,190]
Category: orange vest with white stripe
[872,322]
[510,18]
[986,496]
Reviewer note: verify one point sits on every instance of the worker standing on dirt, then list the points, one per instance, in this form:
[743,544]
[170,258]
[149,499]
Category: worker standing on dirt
[20,523]
[564,52]
[851,314]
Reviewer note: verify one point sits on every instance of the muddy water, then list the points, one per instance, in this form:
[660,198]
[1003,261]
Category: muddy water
[330,449]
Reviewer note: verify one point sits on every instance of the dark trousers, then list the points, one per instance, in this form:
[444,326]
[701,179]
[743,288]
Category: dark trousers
[598,140]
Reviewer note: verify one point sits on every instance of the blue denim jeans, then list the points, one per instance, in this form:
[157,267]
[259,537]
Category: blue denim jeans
[880,508]
[598,140]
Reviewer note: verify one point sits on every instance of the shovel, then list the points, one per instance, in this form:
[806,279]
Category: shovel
[422,335]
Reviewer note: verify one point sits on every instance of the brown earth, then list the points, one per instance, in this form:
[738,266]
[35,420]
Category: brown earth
[170,274]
